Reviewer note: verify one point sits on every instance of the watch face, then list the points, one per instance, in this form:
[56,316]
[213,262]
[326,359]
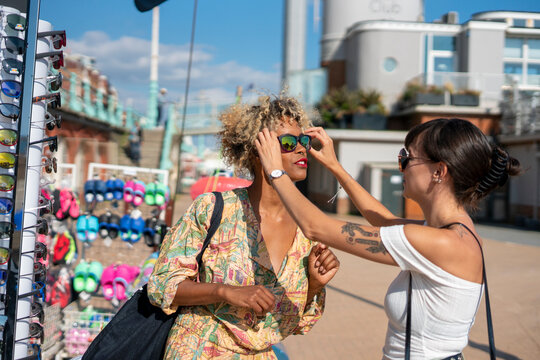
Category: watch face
[276,173]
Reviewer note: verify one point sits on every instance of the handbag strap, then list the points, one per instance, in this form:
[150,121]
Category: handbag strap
[488,306]
[214,224]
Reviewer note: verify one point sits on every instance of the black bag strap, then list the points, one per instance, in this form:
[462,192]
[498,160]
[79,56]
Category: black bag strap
[214,224]
[488,306]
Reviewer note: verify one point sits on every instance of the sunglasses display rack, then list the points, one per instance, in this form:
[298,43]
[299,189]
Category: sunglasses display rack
[29,50]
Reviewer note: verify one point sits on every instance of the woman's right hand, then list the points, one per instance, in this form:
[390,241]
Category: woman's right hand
[326,155]
[255,297]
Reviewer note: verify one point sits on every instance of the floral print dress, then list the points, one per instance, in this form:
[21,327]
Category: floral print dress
[237,256]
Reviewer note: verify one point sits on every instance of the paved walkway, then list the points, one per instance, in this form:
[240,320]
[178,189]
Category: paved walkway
[354,323]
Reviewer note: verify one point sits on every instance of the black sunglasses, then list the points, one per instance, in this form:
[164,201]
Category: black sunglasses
[42,227]
[289,142]
[404,158]
[57,58]
[58,37]
[11,111]
[54,100]
[14,45]
[16,22]
[53,145]
[12,66]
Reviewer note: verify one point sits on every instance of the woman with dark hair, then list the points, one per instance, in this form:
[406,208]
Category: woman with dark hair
[261,279]
[448,165]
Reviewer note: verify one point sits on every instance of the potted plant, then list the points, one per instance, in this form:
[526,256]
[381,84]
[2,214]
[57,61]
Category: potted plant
[416,93]
[466,97]
[370,113]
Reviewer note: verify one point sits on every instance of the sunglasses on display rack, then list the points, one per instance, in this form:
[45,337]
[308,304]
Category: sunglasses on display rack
[36,311]
[40,252]
[16,22]
[57,58]
[11,88]
[6,207]
[45,206]
[53,145]
[39,289]
[58,37]
[11,111]
[6,229]
[404,158]
[43,182]
[14,45]
[7,183]
[7,160]
[13,66]
[42,227]
[35,332]
[289,142]
[49,164]
[54,81]
[53,100]
[8,137]
[52,121]
[3,277]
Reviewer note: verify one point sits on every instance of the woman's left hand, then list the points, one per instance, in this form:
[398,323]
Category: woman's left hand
[269,151]
[323,265]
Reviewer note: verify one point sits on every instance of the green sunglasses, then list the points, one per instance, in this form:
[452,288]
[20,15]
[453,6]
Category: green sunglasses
[8,137]
[289,142]
[16,22]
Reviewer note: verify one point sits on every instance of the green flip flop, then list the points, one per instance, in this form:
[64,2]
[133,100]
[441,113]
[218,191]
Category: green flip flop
[81,273]
[95,269]
[161,191]
[150,195]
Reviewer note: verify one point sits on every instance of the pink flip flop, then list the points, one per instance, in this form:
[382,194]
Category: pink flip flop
[65,203]
[139,190]
[128,191]
[125,275]
[107,278]
[74,210]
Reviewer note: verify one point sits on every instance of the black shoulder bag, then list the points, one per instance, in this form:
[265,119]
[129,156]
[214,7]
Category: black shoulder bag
[488,309]
[139,330]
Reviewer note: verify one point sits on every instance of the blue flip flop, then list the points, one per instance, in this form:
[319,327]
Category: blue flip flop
[118,189]
[137,227]
[125,228]
[81,228]
[89,191]
[100,190]
[92,227]
[109,193]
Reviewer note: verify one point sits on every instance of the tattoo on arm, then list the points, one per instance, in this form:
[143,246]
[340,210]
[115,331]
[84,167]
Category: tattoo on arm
[374,246]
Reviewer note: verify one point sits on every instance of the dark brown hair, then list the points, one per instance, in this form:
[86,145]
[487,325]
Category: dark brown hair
[475,165]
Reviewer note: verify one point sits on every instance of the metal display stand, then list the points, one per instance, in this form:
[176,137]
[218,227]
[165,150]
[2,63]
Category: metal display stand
[21,287]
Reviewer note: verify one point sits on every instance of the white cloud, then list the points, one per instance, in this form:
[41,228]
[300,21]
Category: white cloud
[126,62]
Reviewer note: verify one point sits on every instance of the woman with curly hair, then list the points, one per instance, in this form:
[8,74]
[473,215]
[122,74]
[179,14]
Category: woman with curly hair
[448,165]
[261,279]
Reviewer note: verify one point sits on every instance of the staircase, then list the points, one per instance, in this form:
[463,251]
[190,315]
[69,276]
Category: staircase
[150,149]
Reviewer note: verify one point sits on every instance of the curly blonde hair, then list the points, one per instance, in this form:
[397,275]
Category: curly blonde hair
[242,123]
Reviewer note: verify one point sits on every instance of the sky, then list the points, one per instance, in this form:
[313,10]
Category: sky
[237,42]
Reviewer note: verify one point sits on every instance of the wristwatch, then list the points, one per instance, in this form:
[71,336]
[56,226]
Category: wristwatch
[274,174]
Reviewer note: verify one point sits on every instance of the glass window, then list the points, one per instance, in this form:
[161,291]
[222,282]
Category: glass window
[534,48]
[390,64]
[537,24]
[443,64]
[446,43]
[513,68]
[520,23]
[533,74]
[513,48]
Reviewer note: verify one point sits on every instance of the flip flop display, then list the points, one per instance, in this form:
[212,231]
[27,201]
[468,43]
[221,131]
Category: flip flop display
[150,196]
[128,191]
[82,228]
[95,269]
[74,208]
[118,189]
[107,278]
[89,191]
[149,231]
[114,226]
[125,275]
[139,190]
[161,193]
[104,225]
[137,227]
[79,280]
[125,228]
[100,189]
[92,227]
[109,194]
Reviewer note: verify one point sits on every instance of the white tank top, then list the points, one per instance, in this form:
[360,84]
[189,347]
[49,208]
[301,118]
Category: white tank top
[443,305]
